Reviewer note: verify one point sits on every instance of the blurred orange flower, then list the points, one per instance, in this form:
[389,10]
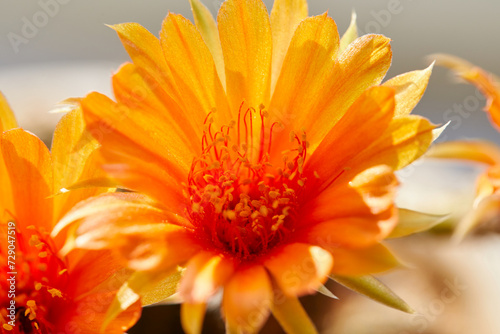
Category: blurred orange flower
[43,292]
[486,209]
[267,147]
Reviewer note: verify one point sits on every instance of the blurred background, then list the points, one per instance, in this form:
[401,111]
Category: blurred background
[54,49]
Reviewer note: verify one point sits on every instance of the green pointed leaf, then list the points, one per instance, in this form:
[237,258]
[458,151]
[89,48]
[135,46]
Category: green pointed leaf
[292,316]
[374,289]
[414,221]
[324,291]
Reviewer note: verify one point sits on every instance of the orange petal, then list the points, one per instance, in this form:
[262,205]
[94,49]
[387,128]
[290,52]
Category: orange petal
[362,65]
[245,34]
[146,52]
[409,89]
[110,121]
[486,82]
[246,301]
[370,192]
[73,160]
[356,232]
[28,163]
[299,268]
[285,17]
[192,317]
[477,150]
[193,69]
[88,313]
[137,90]
[132,226]
[365,120]
[208,28]
[406,139]
[362,261]
[105,267]
[306,70]
[205,273]
[7,118]
[129,293]
[154,152]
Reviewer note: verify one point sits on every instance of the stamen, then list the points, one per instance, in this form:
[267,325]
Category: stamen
[241,203]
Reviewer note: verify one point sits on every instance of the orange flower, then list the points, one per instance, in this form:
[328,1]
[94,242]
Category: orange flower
[486,209]
[43,292]
[267,147]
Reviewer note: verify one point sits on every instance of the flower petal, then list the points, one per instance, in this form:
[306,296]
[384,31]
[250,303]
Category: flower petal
[371,192]
[205,273]
[247,298]
[245,34]
[133,227]
[306,69]
[114,122]
[73,159]
[484,81]
[208,28]
[477,150]
[355,232]
[362,261]
[193,68]
[129,294]
[136,89]
[362,65]
[375,107]
[299,268]
[409,89]
[192,317]
[350,35]
[145,51]
[28,163]
[285,17]
[157,156]
[7,118]
[406,139]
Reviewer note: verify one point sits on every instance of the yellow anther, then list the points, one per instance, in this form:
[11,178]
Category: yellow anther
[245,214]
[55,293]
[263,210]
[246,181]
[256,204]
[273,194]
[229,214]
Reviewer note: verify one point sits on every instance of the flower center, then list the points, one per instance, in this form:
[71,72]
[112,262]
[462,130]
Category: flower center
[34,276]
[240,202]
